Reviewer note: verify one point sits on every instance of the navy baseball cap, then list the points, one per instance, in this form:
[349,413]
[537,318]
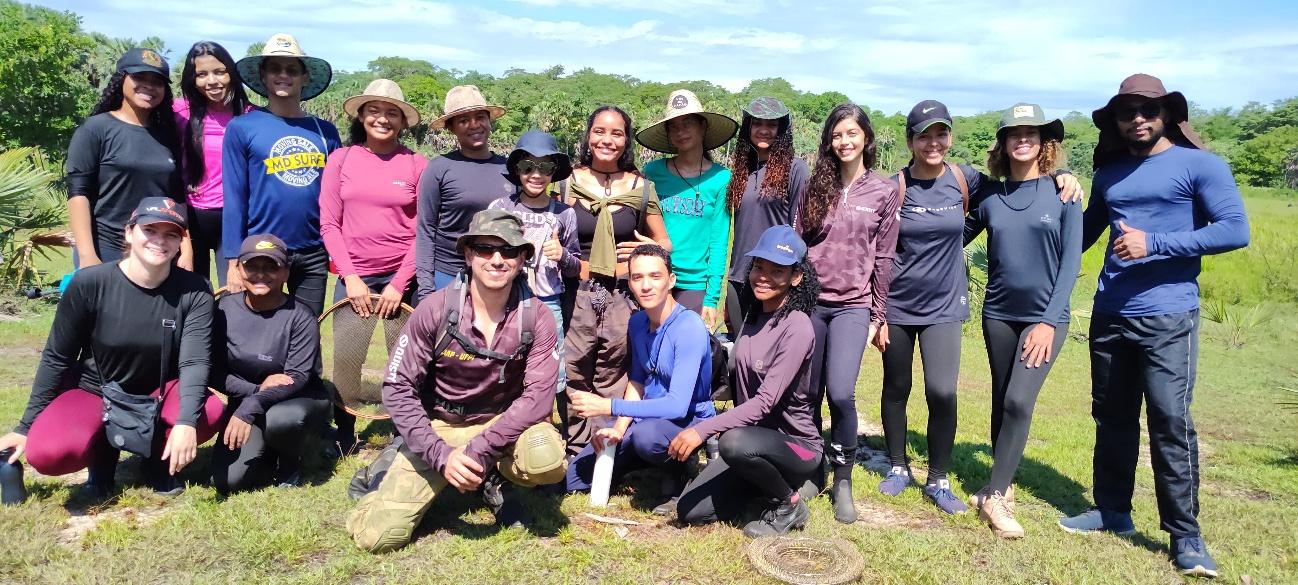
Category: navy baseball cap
[779,244]
[263,246]
[140,60]
[159,209]
[927,113]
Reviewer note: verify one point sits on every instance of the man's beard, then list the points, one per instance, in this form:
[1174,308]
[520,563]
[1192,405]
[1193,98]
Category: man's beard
[1155,134]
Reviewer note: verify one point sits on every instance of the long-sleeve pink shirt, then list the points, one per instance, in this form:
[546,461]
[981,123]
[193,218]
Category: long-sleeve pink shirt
[854,249]
[367,212]
[207,194]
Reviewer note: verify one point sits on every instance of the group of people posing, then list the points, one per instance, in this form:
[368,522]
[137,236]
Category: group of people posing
[586,284]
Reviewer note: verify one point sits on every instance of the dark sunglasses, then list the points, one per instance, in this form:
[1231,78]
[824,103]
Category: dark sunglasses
[488,250]
[1147,110]
[545,167]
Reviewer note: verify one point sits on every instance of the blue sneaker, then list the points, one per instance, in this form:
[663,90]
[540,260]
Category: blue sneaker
[1192,558]
[1097,520]
[940,493]
[896,481]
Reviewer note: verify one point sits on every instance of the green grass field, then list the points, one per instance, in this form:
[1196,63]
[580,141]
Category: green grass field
[1249,450]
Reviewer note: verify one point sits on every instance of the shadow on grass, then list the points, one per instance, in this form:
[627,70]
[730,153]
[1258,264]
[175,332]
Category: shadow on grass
[450,507]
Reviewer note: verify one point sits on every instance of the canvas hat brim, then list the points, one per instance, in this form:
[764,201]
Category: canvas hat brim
[563,171]
[319,71]
[720,130]
[1174,101]
[353,107]
[440,123]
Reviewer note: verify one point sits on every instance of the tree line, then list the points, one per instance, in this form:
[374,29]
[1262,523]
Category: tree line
[51,71]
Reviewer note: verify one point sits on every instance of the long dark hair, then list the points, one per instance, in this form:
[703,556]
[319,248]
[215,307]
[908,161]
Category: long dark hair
[626,162]
[162,122]
[801,297]
[823,193]
[237,100]
[775,185]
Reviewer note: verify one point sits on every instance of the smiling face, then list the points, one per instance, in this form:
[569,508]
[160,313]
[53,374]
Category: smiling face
[930,146]
[650,281]
[471,129]
[144,91]
[491,264]
[154,244]
[212,79]
[382,121]
[532,173]
[686,132]
[770,281]
[762,133]
[1141,120]
[847,140]
[1023,143]
[283,76]
[607,137]
[262,276]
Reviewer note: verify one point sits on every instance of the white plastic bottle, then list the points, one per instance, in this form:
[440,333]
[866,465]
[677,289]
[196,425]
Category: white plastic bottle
[603,476]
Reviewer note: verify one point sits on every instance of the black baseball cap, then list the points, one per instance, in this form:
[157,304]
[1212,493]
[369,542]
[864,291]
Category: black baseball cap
[140,60]
[927,113]
[158,209]
[263,246]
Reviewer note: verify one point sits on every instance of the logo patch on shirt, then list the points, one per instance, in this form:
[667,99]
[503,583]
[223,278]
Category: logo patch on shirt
[963,300]
[1046,218]
[295,160]
[265,358]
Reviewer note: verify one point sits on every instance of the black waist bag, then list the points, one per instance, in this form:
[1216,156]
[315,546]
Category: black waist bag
[130,419]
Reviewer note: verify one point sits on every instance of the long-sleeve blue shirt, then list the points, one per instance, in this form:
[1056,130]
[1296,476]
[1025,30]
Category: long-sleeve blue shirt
[270,174]
[1186,201]
[674,366]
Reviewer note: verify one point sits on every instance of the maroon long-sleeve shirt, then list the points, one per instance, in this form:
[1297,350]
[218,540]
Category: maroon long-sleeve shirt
[854,249]
[523,397]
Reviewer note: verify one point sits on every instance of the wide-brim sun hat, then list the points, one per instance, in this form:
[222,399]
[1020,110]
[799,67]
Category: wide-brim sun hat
[683,102]
[1145,85]
[319,73]
[1024,114]
[538,144]
[386,91]
[463,99]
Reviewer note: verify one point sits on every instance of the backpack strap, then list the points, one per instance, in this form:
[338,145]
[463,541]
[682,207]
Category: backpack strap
[644,204]
[962,182]
[450,318]
[901,183]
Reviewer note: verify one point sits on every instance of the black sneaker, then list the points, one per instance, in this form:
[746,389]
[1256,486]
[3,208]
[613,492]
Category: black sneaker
[509,512]
[12,490]
[667,508]
[780,518]
[101,482]
[161,481]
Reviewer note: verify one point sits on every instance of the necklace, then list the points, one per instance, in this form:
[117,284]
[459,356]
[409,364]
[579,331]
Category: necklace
[676,169]
[1005,196]
[608,181]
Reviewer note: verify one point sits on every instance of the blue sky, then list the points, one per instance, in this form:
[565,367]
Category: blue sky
[974,55]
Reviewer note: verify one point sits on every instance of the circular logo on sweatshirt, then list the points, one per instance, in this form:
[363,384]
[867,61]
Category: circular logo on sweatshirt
[295,161]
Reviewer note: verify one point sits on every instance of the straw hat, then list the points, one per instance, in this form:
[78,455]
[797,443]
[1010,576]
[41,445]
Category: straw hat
[284,45]
[386,91]
[683,102]
[463,99]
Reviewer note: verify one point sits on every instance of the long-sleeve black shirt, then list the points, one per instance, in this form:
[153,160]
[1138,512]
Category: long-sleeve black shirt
[284,340]
[115,164]
[113,329]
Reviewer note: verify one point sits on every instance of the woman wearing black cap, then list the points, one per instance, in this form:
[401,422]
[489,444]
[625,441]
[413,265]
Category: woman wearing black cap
[1034,250]
[767,182]
[270,342]
[126,150]
[113,324]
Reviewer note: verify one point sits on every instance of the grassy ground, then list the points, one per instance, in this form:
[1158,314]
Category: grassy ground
[1249,490]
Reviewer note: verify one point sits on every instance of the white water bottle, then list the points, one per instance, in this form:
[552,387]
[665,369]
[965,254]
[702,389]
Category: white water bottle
[603,477]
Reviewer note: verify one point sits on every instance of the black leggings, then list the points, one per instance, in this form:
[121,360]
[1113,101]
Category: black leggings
[754,461]
[205,239]
[939,347]
[1014,393]
[835,364]
[277,440]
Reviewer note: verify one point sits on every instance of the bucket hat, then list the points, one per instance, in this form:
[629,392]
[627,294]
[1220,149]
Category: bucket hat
[683,102]
[499,223]
[319,73]
[1145,85]
[463,99]
[538,144]
[1023,114]
[382,90]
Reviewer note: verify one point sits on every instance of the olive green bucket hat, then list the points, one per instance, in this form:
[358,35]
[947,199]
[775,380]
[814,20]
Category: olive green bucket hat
[1023,114]
[499,223]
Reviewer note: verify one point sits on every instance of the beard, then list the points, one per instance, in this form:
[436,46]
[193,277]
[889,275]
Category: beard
[1155,134]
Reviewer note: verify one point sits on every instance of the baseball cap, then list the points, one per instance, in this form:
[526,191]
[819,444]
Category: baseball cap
[927,113]
[263,246]
[779,244]
[158,209]
[140,60]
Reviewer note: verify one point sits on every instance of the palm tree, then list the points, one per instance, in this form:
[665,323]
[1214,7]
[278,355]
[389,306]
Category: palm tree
[30,207]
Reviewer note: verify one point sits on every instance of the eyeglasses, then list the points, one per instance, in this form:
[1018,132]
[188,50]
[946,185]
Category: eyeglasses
[1147,110]
[545,167]
[488,250]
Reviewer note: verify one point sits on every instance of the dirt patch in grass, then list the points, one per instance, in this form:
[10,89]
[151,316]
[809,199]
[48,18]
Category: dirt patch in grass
[81,522]
[890,517]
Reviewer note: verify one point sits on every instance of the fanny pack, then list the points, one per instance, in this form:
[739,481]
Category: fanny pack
[130,420]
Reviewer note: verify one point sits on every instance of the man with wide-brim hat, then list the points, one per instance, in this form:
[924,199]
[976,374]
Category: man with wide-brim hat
[682,102]
[456,186]
[473,410]
[1166,203]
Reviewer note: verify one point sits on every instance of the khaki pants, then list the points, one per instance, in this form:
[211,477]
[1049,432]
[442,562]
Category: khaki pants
[598,357]
[385,519]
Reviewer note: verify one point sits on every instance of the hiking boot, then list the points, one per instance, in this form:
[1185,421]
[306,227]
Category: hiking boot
[976,500]
[667,508]
[1191,557]
[940,493]
[509,512]
[1097,520]
[288,474]
[896,481]
[781,517]
[995,511]
[12,490]
[161,481]
[844,505]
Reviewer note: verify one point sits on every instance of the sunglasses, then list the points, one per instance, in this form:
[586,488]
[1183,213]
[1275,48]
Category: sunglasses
[488,250]
[1146,110]
[276,69]
[545,167]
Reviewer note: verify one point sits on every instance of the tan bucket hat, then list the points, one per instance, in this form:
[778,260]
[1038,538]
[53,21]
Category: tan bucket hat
[463,99]
[284,45]
[683,102]
[382,90]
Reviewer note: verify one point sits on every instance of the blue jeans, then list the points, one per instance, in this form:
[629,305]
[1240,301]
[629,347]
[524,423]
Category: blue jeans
[556,306]
[644,445]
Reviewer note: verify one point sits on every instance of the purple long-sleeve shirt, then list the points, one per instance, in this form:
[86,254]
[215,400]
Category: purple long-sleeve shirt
[523,397]
[854,248]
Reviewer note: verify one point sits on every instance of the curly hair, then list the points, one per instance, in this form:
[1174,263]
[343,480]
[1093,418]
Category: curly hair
[743,161]
[236,99]
[1050,158]
[823,191]
[801,297]
[162,122]
[626,162]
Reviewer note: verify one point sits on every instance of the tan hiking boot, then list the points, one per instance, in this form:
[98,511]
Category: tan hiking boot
[995,511]
[977,498]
